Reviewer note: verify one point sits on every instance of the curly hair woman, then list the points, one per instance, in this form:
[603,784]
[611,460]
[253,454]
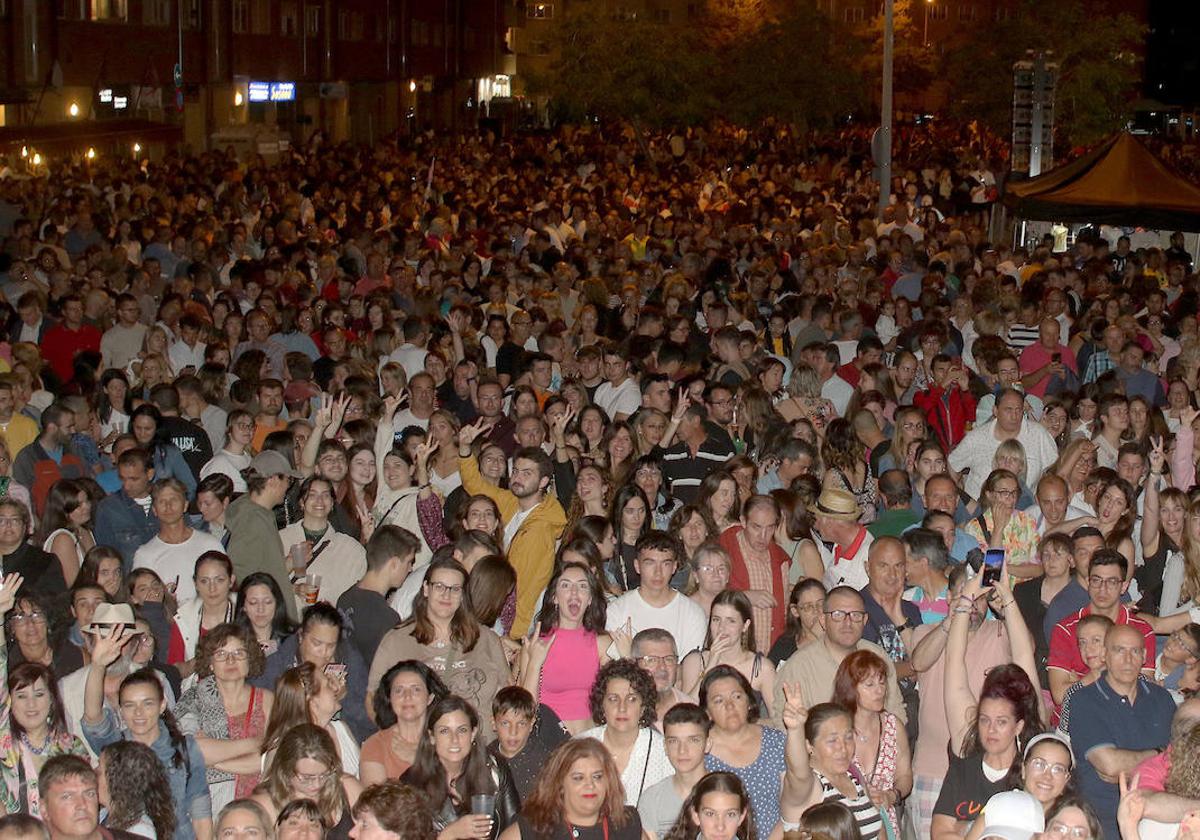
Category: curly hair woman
[134,788]
[624,704]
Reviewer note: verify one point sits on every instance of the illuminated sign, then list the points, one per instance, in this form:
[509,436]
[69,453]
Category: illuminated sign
[271,91]
[106,95]
[120,103]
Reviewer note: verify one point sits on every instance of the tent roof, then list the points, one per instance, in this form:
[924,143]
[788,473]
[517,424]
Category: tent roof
[1119,183]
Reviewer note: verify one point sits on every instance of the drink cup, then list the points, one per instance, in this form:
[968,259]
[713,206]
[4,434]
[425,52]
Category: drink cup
[312,588]
[483,804]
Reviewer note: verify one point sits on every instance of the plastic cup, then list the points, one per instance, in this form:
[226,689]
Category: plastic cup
[312,588]
[483,804]
[299,557]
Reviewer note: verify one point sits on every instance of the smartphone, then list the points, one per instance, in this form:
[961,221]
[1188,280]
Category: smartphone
[1056,357]
[336,670]
[993,565]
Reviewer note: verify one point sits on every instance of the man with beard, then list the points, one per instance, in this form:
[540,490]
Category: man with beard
[107,619]
[533,519]
[654,650]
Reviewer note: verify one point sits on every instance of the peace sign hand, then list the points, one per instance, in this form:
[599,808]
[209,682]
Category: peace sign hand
[468,434]
[1158,456]
[1133,801]
[682,404]
[795,713]
[424,450]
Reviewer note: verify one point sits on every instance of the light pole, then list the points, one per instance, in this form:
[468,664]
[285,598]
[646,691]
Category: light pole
[925,39]
[885,129]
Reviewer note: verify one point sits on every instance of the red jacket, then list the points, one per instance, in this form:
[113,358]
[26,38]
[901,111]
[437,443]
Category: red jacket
[947,413]
[739,578]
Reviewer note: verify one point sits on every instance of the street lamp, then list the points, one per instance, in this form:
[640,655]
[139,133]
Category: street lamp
[73,109]
[925,42]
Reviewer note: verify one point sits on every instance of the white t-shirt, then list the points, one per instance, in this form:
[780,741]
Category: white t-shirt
[626,398]
[683,618]
[176,561]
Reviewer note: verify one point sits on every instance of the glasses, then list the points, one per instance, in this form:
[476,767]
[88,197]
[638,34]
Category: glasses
[1040,765]
[655,661]
[11,521]
[713,570]
[445,589]
[1078,832]
[309,780]
[809,608]
[1010,492]
[19,619]
[857,616]
[237,655]
[1105,583]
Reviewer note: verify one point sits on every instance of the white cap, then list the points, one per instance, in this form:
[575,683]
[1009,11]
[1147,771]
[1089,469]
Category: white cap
[1013,815]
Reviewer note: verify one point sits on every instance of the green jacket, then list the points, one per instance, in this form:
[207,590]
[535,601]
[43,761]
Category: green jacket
[255,546]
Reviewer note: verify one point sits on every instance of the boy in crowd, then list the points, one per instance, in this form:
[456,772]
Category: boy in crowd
[526,734]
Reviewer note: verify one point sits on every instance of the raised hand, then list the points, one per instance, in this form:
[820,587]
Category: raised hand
[623,638]
[106,649]
[468,434]
[424,450]
[324,415]
[340,404]
[795,713]
[682,403]
[1158,455]
[1133,801]
[8,591]
[558,426]
[539,646]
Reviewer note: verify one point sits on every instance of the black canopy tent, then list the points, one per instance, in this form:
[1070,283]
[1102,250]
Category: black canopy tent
[1119,183]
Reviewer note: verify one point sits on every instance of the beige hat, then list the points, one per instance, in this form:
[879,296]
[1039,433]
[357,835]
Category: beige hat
[836,504]
[111,615]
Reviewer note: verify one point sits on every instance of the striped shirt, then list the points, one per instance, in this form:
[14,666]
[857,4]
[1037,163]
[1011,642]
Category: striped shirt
[683,471]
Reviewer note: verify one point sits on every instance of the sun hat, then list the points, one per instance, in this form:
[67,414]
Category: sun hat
[111,615]
[836,504]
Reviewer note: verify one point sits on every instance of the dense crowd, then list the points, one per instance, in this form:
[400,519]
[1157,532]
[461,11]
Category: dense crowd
[591,485]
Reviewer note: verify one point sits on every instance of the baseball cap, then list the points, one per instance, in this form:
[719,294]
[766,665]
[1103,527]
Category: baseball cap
[269,463]
[1013,815]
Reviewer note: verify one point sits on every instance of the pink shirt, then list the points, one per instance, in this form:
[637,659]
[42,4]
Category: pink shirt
[1153,771]
[1064,642]
[989,648]
[1035,357]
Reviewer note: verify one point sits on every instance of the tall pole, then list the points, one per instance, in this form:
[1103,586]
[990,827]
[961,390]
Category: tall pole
[885,125]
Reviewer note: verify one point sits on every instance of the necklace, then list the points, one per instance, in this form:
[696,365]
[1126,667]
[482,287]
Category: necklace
[35,750]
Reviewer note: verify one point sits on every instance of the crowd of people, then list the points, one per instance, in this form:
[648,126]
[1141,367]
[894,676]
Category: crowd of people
[591,485]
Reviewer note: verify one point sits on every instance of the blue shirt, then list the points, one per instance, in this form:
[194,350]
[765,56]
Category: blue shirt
[762,778]
[1102,718]
[189,787]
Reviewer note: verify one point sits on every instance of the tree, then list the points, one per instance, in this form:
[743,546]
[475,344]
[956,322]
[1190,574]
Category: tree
[618,67]
[794,67]
[1098,76]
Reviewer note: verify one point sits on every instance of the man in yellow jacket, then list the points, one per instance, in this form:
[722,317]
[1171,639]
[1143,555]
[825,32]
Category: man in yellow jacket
[533,519]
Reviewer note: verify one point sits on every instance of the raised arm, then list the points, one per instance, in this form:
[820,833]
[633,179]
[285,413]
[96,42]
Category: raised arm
[105,651]
[956,692]
[682,402]
[385,432]
[1158,459]
[1183,465]
[10,754]
[1020,639]
[324,428]
[798,779]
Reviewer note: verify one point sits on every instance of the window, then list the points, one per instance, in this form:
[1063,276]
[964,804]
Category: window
[191,14]
[393,28]
[438,36]
[693,10]
[1002,14]
[156,12]
[289,19]
[241,16]
[260,17]
[420,33]
[540,11]
[312,20]
[966,12]
[468,38]
[854,14]
[108,10]
[343,30]
[939,11]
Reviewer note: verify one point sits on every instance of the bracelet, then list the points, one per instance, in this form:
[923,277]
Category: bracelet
[945,625]
[961,610]
[1007,604]
[424,486]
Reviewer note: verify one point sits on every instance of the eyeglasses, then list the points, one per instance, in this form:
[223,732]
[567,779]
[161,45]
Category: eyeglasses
[1079,832]
[857,616]
[1105,583]
[444,589]
[1040,765]
[713,570]
[655,661]
[312,779]
[237,655]
[1010,492]
[18,619]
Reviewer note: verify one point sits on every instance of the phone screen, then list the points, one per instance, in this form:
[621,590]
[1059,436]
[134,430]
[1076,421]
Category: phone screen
[993,564]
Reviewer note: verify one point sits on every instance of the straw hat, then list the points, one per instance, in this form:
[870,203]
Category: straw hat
[835,504]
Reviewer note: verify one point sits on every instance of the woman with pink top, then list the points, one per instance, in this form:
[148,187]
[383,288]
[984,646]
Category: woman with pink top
[558,663]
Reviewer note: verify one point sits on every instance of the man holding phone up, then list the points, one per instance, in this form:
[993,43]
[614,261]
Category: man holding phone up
[1048,362]
[947,403]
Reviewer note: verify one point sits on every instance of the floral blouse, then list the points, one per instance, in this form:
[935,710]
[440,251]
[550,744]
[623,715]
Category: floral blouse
[1020,537]
[19,765]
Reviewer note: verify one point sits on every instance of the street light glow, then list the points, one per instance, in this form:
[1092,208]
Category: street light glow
[73,109]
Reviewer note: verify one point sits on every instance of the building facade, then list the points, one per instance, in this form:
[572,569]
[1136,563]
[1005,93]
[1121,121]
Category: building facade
[354,69]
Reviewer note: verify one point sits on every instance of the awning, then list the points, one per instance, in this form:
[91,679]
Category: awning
[79,135]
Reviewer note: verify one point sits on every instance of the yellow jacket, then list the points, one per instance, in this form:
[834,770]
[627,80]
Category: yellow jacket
[531,553]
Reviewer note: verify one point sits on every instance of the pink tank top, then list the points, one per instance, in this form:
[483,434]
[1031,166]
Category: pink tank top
[569,672]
